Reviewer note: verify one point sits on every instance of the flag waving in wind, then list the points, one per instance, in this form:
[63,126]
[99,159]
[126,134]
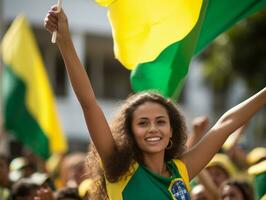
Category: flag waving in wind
[29,108]
[157,39]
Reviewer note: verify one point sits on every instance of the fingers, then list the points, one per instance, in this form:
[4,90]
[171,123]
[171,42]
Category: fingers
[53,18]
[51,21]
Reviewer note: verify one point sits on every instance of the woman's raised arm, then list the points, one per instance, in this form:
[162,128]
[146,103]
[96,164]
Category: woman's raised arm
[96,122]
[199,156]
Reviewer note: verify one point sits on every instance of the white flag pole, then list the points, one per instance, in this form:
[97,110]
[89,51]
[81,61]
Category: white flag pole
[59,6]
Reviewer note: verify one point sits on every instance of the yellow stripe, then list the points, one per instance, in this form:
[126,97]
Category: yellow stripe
[263,197]
[115,190]
[142,29]
[183,172]
[22,55]
[257,168]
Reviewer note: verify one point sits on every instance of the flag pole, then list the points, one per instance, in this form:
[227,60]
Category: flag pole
[59,6]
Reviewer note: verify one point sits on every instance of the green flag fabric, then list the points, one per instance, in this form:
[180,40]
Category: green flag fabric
[29,105]
[168,71]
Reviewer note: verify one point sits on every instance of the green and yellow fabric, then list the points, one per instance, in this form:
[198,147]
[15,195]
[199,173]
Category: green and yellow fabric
[143,29]
[258,171]
[142,184]
[256,155]
[157,39]
[264,197]
[29,106]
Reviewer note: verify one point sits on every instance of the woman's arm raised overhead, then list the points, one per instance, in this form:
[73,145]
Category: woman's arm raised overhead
[199,156]
[96,122]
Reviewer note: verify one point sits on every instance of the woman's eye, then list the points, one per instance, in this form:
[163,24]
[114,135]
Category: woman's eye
[142,123]
[161,122]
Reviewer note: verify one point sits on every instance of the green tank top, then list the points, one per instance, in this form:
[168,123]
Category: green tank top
[143,184]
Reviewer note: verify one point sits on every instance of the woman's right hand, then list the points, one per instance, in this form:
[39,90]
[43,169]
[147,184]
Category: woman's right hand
[57,21]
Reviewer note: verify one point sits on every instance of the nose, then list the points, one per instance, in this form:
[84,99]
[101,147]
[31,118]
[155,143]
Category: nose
[153,127]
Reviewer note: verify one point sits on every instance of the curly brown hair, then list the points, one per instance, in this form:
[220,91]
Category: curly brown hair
[127,149]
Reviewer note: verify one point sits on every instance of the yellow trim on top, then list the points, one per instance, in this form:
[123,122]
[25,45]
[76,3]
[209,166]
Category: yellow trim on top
[183,172]
[115,190]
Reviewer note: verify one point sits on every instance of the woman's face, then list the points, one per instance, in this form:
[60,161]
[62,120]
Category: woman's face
[151,128]
[229,192]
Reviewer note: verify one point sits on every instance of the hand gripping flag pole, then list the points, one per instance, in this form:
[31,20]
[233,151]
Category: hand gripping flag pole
[59,5]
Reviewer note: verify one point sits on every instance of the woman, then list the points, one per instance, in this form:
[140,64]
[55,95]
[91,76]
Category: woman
[145,158]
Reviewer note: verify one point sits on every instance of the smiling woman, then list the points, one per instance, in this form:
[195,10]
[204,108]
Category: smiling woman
[142,154]
[150,135]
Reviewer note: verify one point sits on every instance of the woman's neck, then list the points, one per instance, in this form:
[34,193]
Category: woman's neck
[155,163]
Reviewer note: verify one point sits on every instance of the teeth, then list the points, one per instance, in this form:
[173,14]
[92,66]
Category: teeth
[153,139]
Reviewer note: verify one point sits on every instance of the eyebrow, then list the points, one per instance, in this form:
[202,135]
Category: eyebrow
[159,117]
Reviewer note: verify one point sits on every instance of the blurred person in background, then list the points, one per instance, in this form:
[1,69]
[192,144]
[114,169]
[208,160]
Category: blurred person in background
[220,169]
[72,169]
[31,189]
[199,193]
[43,181]
[199,129]
[24,189]
[67,193]
[236,190]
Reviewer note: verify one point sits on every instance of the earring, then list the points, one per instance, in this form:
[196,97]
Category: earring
[170,144]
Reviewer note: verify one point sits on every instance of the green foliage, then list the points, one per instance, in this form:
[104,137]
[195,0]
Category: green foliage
[218,68]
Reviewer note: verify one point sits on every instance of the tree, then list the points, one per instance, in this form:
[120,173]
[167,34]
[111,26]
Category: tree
[240,53]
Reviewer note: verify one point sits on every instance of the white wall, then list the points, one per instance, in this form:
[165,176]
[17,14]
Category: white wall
[83,15]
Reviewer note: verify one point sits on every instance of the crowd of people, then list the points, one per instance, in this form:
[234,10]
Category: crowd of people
[60,177]
[233,174]
[145,153]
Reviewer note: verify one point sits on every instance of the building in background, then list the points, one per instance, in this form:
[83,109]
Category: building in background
[93,40]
